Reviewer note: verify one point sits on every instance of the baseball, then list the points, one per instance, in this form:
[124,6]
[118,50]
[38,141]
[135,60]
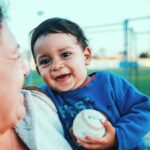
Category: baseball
[88,123]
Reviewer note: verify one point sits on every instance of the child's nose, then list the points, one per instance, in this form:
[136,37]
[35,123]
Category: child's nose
[56,65]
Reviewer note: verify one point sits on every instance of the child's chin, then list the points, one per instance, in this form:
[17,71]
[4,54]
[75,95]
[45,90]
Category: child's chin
[64,89]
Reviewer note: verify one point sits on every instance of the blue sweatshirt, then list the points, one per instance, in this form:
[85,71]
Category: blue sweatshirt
[126,108]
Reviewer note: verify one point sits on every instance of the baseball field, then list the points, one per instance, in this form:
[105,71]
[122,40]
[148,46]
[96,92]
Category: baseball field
[140,78]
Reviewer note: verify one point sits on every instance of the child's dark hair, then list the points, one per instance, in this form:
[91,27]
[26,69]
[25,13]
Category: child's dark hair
[58,25]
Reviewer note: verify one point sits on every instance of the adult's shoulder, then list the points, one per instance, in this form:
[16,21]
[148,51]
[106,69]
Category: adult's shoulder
[38,97]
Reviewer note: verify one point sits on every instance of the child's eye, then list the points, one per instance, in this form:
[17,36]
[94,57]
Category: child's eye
[45,61]
[65,54]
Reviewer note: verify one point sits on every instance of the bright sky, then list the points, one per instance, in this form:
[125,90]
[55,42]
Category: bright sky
[24,17]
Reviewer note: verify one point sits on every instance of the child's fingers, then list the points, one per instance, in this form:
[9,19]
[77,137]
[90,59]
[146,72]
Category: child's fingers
[110,133]
[109,128]
[100,141]
[92,140]
[103,142]
[90,145]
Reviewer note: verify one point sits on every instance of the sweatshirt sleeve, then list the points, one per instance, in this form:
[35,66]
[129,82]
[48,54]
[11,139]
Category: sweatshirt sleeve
[134,108]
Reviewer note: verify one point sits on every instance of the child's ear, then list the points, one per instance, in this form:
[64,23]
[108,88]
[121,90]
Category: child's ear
[37,69]
[87,55]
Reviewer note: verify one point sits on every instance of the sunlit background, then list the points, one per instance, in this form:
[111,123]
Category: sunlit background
[118,32]
[102,20]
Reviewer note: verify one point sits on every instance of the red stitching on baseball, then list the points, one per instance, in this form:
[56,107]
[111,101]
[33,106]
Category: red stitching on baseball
[88,124]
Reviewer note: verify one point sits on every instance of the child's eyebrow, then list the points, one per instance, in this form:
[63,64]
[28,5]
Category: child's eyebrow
[63,49]
[40,56]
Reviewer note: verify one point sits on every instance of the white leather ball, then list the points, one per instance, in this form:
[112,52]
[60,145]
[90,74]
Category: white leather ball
[88,123]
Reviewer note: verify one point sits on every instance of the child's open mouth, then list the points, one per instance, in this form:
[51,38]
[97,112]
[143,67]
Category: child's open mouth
[63,77]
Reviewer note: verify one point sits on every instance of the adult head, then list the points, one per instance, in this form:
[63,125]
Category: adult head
[12,73]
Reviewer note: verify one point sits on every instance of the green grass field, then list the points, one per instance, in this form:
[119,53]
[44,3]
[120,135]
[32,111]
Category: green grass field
[140,78]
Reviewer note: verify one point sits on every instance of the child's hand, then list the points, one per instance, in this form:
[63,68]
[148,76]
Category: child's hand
[108,141]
